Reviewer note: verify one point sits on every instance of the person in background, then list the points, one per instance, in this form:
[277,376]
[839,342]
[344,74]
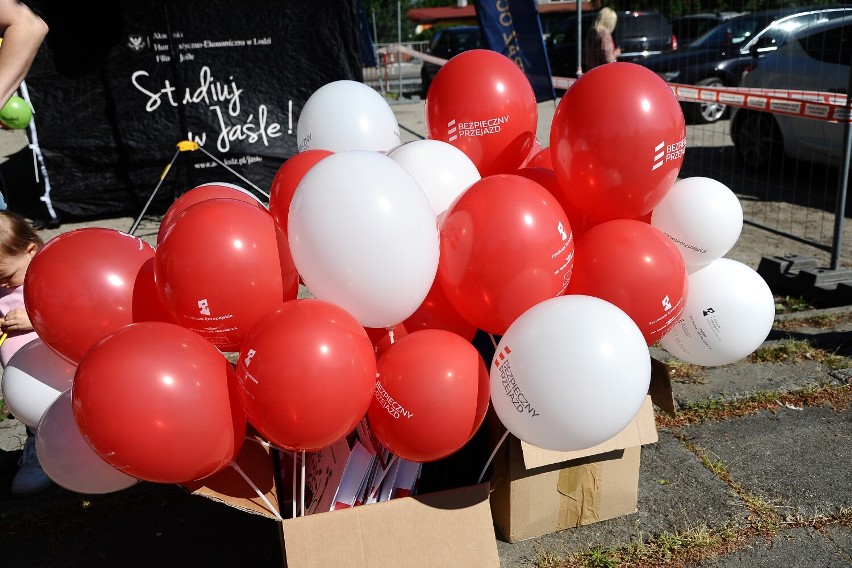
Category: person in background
[599,47]
[22,33]
[19,243]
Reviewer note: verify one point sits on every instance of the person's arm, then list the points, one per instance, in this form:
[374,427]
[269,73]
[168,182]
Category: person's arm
[608,53]
[23,33]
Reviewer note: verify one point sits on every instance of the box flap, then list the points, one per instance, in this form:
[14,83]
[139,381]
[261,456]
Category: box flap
[446,528]
[231,488]
[660,388]
[641,430]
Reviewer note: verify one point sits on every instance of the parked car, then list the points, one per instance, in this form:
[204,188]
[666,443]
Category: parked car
[445,44]
[815,58]
[690,27]
[637,34]
[718,58]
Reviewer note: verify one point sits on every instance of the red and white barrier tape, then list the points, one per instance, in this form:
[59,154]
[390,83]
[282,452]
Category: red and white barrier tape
[808,104]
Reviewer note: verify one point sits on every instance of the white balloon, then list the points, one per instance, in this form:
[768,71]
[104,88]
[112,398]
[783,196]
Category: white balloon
[363,236]
[233,186]
[347,115]
[570,373]
[34,377]
[728,314]
[702,216]
[441,169]
[67,458]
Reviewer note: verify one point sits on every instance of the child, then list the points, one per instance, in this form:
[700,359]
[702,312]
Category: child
[18,244]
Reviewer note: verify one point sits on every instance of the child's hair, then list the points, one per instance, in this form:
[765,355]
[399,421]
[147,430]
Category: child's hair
[16,234]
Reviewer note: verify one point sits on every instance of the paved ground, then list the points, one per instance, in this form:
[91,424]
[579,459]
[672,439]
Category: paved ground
[769,487]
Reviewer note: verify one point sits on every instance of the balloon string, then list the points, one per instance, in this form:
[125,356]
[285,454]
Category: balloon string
[493,342]
[390,335]
[295,465]
[382,477]
[491,457]
[257,490]
[303,482]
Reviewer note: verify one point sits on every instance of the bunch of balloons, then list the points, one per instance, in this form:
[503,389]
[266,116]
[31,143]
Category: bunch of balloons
[355,295]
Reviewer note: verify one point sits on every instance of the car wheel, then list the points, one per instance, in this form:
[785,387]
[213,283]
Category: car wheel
[757,139]
[709,112]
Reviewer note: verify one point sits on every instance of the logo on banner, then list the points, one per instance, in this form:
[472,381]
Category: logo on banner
[136,42]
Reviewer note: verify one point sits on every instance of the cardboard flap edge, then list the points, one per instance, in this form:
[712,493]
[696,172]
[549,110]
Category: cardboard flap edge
[640,431]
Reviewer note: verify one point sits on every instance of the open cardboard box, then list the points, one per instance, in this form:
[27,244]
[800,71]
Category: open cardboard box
[450,528]
[532,492]
[537,492]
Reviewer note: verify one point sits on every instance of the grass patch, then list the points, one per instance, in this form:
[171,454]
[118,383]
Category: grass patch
[680,548]
[837,397]
[825,320]
[797,351]
[683,372]
[792,304]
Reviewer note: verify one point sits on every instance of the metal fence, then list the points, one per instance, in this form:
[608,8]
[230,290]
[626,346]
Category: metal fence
[795,199]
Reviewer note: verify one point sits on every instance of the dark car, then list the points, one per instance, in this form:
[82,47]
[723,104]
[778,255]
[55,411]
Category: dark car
[815,59]
[637,34]
[719,57]
[445,44]
[690,27]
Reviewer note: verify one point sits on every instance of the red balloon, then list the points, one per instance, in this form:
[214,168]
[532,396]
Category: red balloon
[201,193]
[436,312]
[219,269]
[580,223]
[542,159]
[617,141]
[506,245]
[431,396]
[286,180]
[82,285]
[482,103]
[536,148]
[307,370]
[148,304]
[636,267]
[159,403]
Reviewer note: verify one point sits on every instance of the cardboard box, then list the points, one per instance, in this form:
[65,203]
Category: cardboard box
[449,528]
[536,491]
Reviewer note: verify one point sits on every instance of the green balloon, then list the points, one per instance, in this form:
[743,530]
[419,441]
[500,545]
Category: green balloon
[16,113]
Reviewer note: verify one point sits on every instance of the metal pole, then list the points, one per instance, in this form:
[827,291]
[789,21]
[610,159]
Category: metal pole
[843,184]
[580,37]
[399,42]
[376,53]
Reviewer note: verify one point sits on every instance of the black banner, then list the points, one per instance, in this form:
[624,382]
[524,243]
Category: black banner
[112,101]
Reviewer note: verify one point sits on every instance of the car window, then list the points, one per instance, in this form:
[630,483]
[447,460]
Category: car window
[831,46]
[643,25]
[735,32]
[687,28]
[567,30]
[778,33]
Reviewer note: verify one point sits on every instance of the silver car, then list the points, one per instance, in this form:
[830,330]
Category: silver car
[815,59]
